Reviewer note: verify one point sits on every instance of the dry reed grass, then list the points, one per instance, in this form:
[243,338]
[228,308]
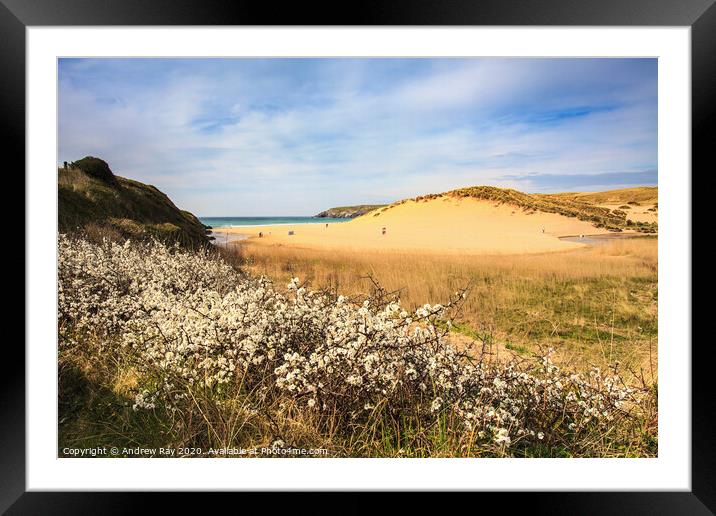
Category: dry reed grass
[593,306]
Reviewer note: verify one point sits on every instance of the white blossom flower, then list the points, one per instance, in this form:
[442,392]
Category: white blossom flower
[190,321]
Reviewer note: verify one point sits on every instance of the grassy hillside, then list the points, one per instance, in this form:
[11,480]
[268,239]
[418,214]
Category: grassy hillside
[349,212]
[643,195]
[92,198]
[569,205]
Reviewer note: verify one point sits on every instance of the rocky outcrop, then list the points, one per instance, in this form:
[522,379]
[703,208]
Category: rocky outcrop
[349,212]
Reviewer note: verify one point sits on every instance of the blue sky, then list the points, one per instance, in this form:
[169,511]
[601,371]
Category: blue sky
[296,136]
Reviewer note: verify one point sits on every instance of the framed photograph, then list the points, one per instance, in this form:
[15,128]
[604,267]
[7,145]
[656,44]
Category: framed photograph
[430,248]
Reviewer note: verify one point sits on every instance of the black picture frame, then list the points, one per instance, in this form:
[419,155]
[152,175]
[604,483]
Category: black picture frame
[700,15]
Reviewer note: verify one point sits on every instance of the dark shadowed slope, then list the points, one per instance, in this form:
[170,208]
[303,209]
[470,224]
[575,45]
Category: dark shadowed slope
[91,197]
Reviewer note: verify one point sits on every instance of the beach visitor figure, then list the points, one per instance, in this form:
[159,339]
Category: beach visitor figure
[261,234]
[326,225]
[543,230]
[383,231]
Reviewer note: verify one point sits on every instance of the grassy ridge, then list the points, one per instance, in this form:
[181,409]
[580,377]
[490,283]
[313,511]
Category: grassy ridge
[126,208]
[640,195]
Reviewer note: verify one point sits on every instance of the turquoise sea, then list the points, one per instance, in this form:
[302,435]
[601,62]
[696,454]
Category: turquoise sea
[223,222]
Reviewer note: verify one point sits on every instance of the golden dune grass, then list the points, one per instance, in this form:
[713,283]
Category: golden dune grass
[593,305]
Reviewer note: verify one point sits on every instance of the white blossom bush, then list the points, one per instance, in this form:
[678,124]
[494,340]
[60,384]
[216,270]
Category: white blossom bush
[194,325]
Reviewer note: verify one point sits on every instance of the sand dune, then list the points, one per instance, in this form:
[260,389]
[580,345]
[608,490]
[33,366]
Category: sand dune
[444,225]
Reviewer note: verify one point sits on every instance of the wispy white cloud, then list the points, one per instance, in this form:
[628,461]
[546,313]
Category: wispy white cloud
[262,137]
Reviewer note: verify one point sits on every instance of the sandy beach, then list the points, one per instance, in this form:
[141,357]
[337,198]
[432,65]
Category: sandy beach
[445,225]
